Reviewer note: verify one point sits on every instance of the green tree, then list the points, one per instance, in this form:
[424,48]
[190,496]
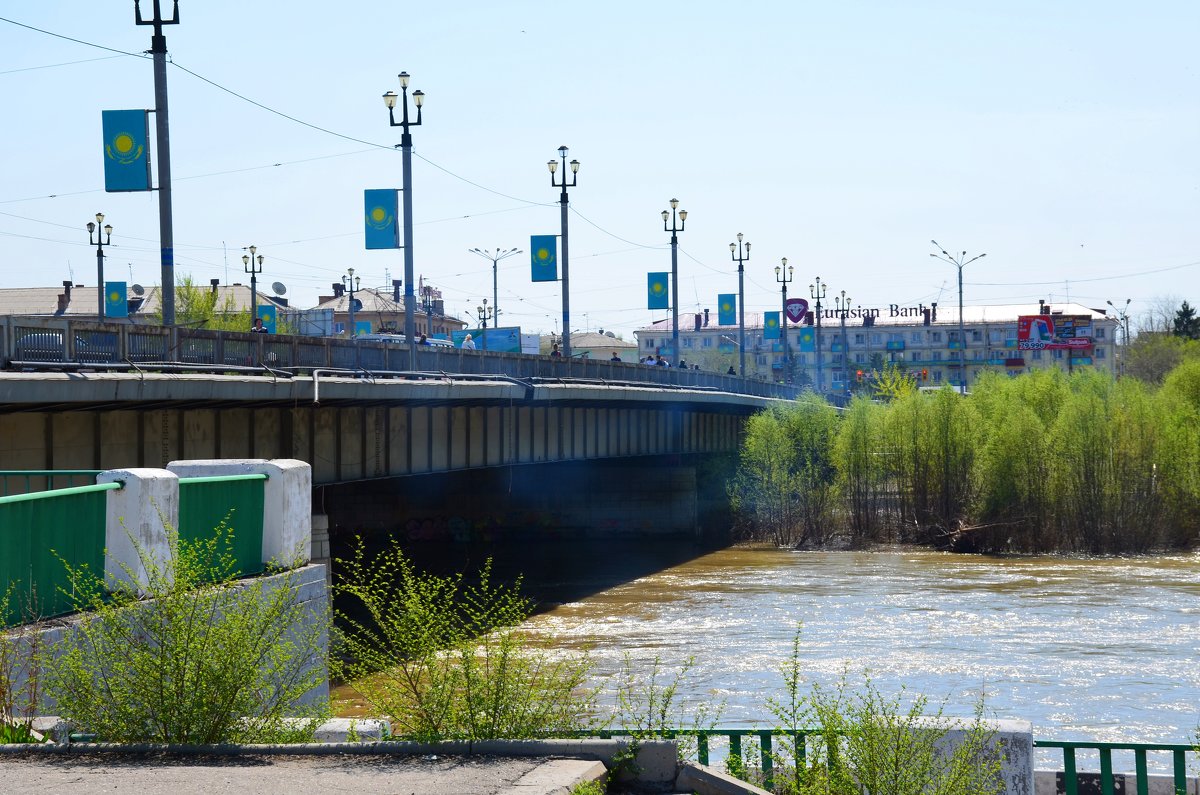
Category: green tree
[196,306]
[1185,323]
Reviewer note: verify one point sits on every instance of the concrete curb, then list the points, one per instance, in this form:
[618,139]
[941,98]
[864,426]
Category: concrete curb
[558,777]
[704,780]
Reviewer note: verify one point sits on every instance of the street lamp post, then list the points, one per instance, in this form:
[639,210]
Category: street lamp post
[1123,319]
[100,243]
[566,260]
[484,313]
[410,303]
[351,283]
[783,275]
[253,266]
[158,50]
[843,306]
[678,219]
[495,257]
[959,261]
[736,253]
[817,292]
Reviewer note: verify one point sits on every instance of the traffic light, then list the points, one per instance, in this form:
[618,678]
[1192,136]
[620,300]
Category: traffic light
[924,373]
[860,376]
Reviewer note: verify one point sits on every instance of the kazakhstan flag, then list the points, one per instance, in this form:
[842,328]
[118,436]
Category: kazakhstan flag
[267,313]
[770,325]
[807,340]
[382,231]
[115,303]
[726,309]
[656,290]
[543,258]
[126,156]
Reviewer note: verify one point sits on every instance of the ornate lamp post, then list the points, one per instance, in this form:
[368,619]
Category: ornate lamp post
[959,261]
[736,253]
[677,218]
[783,275]
[253,266]
[1123,319]
[562,203]
[410,303]
[842,302]
[817,292]
[351,283]
[100,243]
[495,257]
[484,313]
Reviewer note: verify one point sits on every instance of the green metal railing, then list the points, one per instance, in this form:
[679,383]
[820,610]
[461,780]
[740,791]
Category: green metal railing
[799,753]
[40,531]
[43,479]
[236,500]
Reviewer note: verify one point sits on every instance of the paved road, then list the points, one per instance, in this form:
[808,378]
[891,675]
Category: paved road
[160,774]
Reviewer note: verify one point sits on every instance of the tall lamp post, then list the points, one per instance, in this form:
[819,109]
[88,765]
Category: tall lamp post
[959,261]
[162,137]
[736,253]
[100,243]
[842,302]
[678,219]
[566,260]
[351,283]
[484,313]
[253,266]
[817,293]
[1123,319]
[410,303]
[783,275]
[495,257]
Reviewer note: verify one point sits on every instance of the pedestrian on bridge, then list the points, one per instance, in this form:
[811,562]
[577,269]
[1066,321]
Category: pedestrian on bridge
[468,343]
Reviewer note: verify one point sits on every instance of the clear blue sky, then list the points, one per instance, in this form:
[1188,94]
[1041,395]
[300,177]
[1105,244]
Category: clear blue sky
[1062,139]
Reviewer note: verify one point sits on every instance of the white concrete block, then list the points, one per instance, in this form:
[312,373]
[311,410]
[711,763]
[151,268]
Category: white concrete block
[137,518]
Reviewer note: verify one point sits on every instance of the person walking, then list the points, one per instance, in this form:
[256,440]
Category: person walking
[468,344]
[258,327]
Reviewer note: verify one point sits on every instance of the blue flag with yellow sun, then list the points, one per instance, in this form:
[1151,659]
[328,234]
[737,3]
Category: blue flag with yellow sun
[382,230]
[726,309]
[656,290]
[543,258]
[807,340]
[115,300]
[126,153]
[770,325]
[269,317]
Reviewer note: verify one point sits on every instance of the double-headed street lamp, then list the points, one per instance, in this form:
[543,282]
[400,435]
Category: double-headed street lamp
[783,275]
[410,303]
[1123,319]
[817,293]
[677,218]
[562,203]
[842,302]
[484,313]
[736,253]
[959,261]
[495,257]
[99,243]
[253,266]
[351,283]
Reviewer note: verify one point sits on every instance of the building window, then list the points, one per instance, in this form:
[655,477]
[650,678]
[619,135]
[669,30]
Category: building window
[976,336]
[935,336]
[802,358]
[1100,353]
[1037,356]
[1100,333]
[649,343]
[687,342]
[916,337]
[860,358]
[978,354]
[762,361]
[937,376]
[707,343]
[995,336]
[877,339]
[860,339]
[936,356]
[1058,354]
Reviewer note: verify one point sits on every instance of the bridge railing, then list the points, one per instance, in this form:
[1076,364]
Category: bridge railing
[40,342]
[24,481]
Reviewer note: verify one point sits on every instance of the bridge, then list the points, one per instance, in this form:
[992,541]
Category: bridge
[619,441]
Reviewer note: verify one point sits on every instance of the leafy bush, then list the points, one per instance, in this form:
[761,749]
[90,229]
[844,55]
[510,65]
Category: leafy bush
[198,658]
[445,660]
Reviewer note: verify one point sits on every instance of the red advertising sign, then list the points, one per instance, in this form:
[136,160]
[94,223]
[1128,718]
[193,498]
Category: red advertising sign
[796,308]
[1048,332]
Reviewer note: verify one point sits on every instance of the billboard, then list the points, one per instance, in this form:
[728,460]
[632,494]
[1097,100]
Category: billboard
[496,340]
[1050,332]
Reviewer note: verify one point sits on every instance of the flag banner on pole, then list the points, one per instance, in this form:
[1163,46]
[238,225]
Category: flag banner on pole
[382,230]
[362,327]
[656,290]
[807,340]
[543,256]
[797,308]
[115,300]
[266,313]
[770,325]
[126,153]
[726,309]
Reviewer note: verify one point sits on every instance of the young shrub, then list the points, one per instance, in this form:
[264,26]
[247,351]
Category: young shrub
[20,673]
[446,660]
[199,658]
[651,707]
[860,469]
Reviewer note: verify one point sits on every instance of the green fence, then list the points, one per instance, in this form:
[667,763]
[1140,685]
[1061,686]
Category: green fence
[1178,754]
[24,481]
[237,500]
[38,529]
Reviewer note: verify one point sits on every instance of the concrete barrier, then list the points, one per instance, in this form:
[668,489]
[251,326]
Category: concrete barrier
[137,517]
